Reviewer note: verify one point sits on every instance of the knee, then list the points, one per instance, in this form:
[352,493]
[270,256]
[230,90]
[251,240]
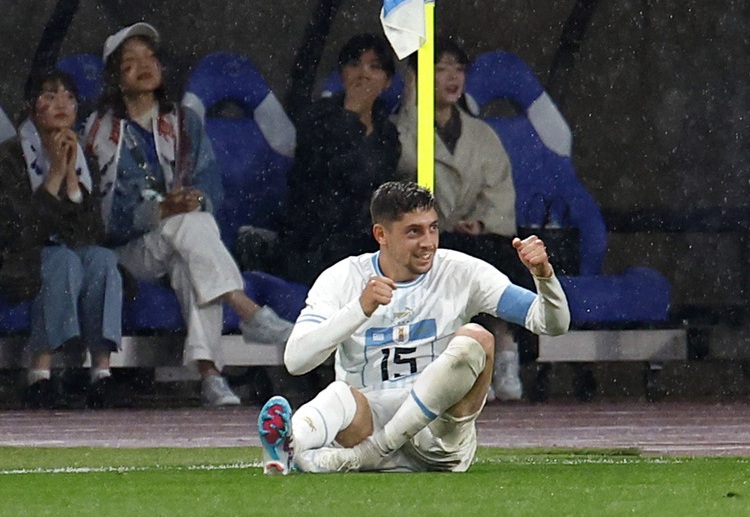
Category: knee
[197,220]
[347,398]
[100,264]
[482,335]
[358,423]
[60,259]
[193,229]
[101,258]
[472,346]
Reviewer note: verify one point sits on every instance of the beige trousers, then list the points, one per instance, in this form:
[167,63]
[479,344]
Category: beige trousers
[188,249]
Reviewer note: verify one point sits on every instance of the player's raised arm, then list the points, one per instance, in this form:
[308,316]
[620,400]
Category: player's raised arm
[328,318]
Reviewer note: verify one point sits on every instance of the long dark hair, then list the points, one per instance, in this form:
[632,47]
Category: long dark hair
[112,99]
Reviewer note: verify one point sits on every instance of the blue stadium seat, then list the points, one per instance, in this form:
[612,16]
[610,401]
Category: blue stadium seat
[86,69]
[7,129]
[156,309]
[539,142]
[254,144]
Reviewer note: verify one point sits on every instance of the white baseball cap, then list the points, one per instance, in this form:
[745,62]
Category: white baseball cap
[118,38]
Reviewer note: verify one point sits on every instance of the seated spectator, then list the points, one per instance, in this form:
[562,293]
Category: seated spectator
[474,193]
[160,186]
[51,235]
[346,147]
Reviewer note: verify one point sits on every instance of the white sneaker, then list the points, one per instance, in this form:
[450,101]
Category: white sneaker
[507,382]
[216,392]
[266,327]
[275,431]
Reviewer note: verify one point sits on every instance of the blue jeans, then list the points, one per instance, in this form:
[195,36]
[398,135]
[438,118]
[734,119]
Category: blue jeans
[81,297]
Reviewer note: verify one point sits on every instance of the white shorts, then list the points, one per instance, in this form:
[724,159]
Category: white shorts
[447,444]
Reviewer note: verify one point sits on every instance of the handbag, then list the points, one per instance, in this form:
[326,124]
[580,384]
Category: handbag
[549,219]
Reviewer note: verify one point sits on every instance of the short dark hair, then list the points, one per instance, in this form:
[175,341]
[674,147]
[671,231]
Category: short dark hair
[41,77]
[111,97]
[395,198]
[357,45]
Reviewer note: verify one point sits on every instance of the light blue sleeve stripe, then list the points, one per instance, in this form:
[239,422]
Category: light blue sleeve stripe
[514,304]
[427,412]
[310,317]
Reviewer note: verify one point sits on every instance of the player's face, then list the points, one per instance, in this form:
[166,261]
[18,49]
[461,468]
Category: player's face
[140,69]
[407,246]
[450,78]
[55,108]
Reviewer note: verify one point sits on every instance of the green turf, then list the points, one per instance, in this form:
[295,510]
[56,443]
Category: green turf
[227,481]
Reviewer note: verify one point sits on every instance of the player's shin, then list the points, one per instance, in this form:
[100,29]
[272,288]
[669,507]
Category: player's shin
[317,423]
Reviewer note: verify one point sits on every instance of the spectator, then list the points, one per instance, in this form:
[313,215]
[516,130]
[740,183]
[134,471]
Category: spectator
[346,147]
[161,183]
[474,193]
[51,235]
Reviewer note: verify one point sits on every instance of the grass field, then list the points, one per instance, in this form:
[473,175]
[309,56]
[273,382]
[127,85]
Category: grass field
[229,481]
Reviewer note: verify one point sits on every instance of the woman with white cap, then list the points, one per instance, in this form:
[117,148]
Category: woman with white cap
[160,185]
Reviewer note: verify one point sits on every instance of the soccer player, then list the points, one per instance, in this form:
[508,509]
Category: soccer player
[411,371]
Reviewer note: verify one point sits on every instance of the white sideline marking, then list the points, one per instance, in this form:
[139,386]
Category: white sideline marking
[121,470]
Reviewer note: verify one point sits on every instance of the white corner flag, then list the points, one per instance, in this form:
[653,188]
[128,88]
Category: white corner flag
[404,25]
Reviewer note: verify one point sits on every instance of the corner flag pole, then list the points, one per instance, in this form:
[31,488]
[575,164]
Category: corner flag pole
[426,102]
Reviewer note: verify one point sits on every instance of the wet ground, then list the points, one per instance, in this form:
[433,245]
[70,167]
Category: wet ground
[672,428]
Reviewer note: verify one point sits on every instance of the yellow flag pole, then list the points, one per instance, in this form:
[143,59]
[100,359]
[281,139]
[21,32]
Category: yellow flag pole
[426,103]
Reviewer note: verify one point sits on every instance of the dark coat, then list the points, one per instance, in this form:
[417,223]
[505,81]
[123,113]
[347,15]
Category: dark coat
[336,170]
[28,220]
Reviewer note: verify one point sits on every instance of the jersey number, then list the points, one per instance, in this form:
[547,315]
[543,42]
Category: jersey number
[398,358]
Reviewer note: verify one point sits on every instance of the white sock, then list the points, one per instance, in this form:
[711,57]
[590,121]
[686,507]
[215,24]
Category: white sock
[33,376]
[99,373]
[317,423]
[441,385]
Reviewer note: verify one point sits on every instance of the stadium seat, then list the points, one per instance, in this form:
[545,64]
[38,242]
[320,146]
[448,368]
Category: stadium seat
[7,130]
[539,142]
[86,70]
[252,137]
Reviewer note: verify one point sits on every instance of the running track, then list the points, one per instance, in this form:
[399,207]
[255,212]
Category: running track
[669,428]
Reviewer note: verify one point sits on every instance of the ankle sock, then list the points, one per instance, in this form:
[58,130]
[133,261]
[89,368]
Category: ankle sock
[98,374]
[33,376]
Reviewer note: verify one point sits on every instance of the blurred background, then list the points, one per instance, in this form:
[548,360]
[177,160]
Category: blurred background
[655,93]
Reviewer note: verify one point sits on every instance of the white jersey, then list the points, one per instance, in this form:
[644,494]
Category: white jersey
[392,346]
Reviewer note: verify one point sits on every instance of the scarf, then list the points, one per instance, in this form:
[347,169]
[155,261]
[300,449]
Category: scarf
[37,160]
[106,135]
